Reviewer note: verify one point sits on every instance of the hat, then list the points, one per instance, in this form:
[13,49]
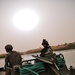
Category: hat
[45,42]
[8,47]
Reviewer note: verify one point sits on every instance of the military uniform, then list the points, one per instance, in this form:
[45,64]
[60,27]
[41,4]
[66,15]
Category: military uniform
[46,52]
[12,58]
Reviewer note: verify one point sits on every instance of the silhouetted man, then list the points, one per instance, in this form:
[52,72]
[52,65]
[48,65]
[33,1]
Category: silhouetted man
[47,50]
[12,58]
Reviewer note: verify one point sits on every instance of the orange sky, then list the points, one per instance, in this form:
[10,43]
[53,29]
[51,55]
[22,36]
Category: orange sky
[56,23]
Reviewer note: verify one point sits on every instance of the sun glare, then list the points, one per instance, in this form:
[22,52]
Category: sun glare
[25,19]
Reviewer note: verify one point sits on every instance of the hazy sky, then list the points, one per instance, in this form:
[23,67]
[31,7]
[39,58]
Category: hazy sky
[56,23]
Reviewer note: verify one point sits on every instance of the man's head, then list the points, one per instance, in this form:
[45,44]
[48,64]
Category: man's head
[8,48]
[45,43]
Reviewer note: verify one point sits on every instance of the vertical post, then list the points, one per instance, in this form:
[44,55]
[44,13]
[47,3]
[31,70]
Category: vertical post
[72,70]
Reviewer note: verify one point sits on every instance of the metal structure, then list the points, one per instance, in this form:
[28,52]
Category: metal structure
[42,66]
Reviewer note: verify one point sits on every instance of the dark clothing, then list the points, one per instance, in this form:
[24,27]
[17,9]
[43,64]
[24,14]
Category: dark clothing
[13,58]
[46,51]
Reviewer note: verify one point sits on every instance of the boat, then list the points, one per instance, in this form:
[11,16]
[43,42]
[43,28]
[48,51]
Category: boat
[43,66]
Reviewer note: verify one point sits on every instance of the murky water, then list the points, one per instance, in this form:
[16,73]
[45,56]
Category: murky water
[68,55]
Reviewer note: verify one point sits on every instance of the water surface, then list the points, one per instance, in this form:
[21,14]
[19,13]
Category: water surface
[69,56]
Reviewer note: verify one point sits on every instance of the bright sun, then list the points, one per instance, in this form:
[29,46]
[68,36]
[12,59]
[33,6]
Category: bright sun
[25,19]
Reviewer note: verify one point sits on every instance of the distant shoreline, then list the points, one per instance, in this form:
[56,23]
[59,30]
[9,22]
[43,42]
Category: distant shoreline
[66,46]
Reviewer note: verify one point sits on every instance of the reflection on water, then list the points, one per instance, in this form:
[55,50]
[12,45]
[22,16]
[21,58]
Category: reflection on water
[68,55]
[1,62]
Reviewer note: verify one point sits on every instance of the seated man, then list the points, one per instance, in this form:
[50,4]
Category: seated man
[47,50]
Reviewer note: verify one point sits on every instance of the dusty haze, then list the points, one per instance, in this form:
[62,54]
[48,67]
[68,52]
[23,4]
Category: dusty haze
[56,23]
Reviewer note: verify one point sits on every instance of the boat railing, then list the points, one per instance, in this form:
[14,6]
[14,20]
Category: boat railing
[30,61]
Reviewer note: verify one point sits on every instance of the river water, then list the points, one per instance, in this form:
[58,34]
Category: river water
[69,56]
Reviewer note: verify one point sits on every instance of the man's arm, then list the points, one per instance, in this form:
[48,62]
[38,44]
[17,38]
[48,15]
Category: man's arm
[6,61]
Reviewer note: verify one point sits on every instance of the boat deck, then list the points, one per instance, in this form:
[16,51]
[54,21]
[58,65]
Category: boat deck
[49,67]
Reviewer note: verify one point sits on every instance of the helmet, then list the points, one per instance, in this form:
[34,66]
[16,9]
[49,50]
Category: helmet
[45,42]
[8,47]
